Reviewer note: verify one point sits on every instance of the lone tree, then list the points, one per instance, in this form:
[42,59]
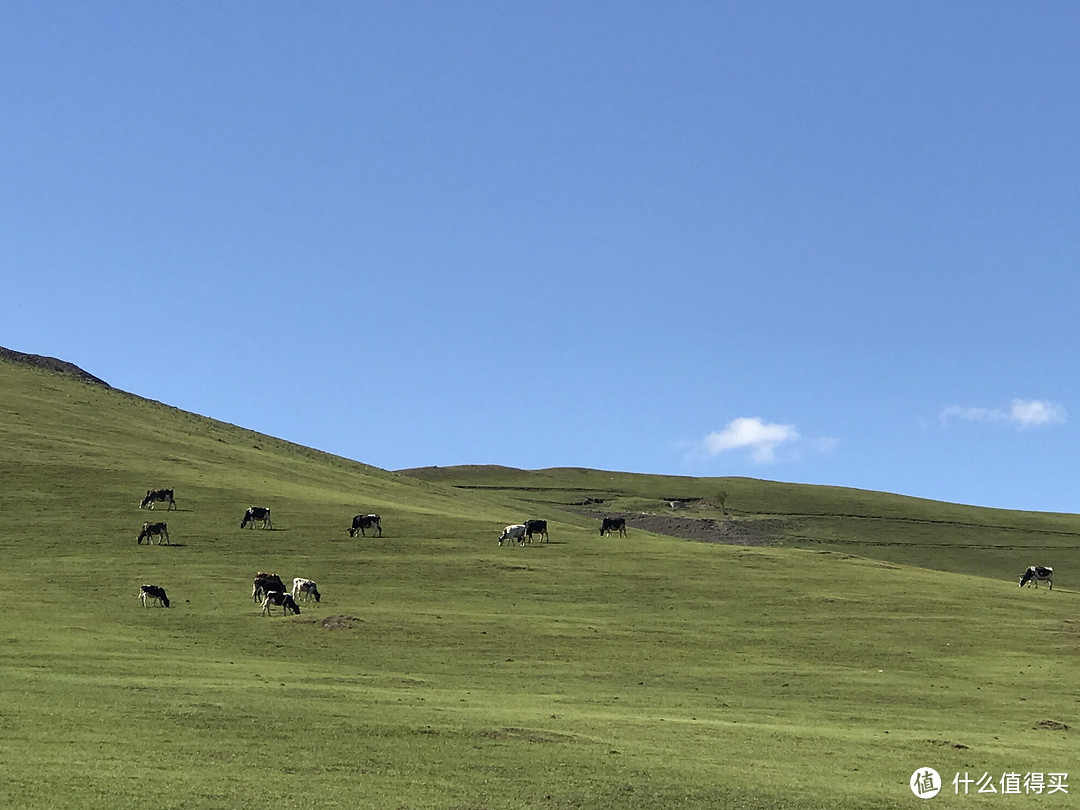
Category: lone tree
[721,500]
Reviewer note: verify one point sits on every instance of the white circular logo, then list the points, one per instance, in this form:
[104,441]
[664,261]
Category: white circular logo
[925,783]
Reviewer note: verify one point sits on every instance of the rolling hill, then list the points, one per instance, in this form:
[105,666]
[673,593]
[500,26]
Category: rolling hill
[994,543]
[852,637]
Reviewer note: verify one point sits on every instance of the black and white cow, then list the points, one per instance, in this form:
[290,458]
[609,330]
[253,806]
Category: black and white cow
[613,525]
[361,523]
[158,496]
[1036,574]
[281,599]
[264,583]
[255,513]
[304,589]
[512,533]
[152,530]
[536,527]
[154,594]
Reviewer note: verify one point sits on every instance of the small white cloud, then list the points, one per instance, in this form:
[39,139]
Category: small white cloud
[751,433]
[1022,413]
[1035,412]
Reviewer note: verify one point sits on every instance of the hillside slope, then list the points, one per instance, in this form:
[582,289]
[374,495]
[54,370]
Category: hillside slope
[443,671]
[994,543]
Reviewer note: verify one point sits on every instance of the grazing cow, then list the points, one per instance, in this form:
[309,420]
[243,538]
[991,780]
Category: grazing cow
[158,496]
[536,527]
[154,594]
[281,599]
[152,530]
[264,583]
[1036,574]
[613,525]
[362,522]
[257,513]
[512,533]
[305,589]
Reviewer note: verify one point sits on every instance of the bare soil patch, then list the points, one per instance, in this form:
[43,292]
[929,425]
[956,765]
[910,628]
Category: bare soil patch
[950,744]
[339,622]
[1051,725]
[527,735]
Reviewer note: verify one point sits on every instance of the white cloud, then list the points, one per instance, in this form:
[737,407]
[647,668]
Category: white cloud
[751,433]
[1022,413]
[1034,412]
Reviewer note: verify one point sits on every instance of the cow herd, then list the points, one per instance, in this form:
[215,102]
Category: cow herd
[267,589]
[361,524]
[271,591]
[522,533]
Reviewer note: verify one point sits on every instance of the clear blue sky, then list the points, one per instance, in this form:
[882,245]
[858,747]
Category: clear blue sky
[823,242]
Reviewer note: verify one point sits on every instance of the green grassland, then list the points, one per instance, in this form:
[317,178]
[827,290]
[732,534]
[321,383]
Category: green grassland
[874,635]
[993,543]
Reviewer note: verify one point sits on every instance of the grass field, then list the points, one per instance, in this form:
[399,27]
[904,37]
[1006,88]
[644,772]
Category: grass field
[877,635]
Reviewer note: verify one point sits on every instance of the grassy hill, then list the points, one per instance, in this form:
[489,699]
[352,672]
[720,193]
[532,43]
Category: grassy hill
[993,543]
[443,671]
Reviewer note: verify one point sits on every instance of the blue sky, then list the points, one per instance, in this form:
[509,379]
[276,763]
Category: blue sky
[829,242]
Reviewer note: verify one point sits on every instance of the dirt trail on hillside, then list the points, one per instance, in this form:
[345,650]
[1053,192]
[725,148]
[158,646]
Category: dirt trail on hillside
[702,530]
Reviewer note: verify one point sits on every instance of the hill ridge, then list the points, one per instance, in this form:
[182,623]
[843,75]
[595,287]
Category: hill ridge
[51,364]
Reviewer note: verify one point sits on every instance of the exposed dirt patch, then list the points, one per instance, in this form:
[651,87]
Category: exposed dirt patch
[736,532]
[1051,725]
[949,744]
[527,735]
[339,622]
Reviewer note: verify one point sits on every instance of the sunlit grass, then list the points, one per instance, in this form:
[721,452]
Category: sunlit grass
[441,670]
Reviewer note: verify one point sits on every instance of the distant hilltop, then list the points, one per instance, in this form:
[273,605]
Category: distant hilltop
[51,364]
